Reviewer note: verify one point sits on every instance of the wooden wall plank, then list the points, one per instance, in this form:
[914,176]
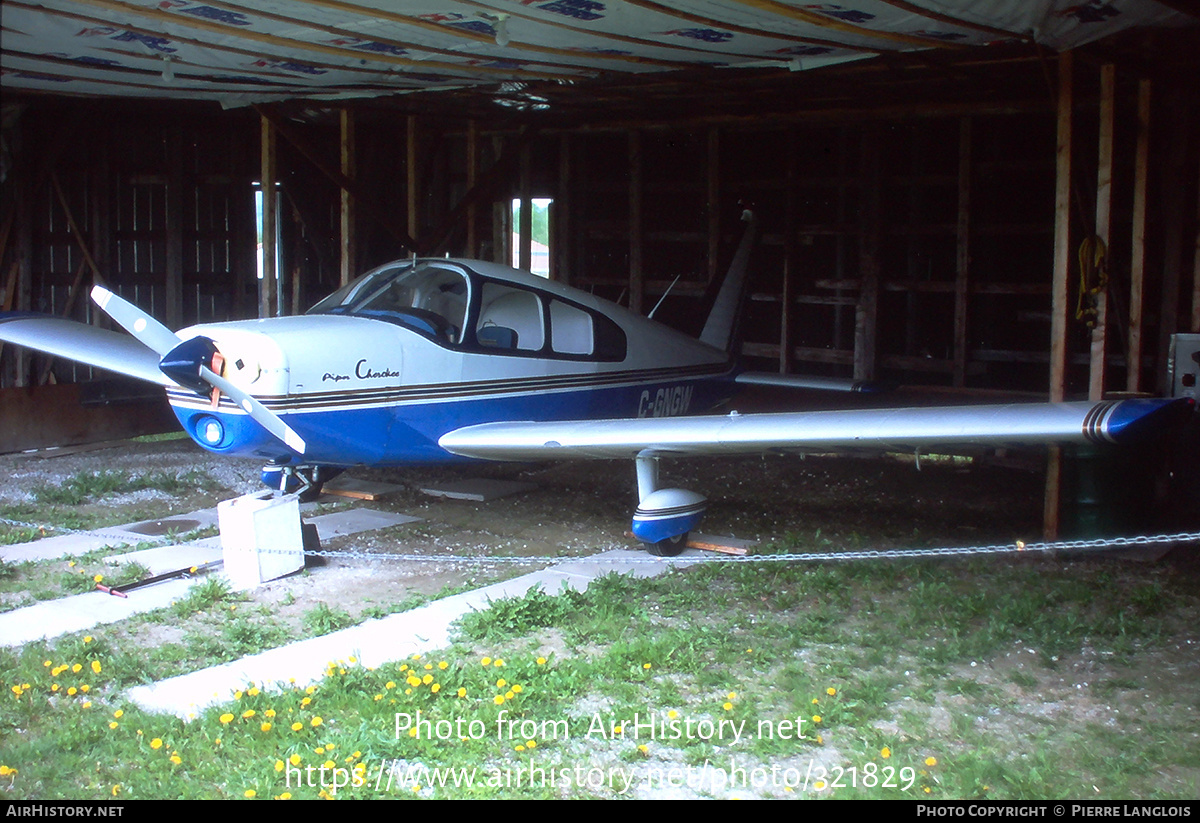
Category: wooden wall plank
[1137,253]
[1104,194]
[636,274]
[267,174]
[348,155]
[962,266]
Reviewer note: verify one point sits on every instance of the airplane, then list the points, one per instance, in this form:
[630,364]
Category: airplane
[428,361]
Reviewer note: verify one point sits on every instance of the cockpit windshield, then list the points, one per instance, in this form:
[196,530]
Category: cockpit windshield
[426,297]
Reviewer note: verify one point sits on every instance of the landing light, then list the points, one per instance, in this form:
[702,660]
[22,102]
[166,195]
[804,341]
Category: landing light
[210,430]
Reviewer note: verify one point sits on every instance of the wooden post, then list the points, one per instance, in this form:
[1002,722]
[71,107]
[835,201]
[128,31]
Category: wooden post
[410,167]
[1137,253]
[1058,288]
[1174,206]
[472,178]
[560,224]
[866,315]
[714,203]
[787,298]
[270,233]
[962,267]
[347,266]
[174,226]
[1195,326]
[636,275]
[1104,178]
[525,227]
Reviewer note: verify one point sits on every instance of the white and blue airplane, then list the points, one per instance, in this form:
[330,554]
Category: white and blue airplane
[429,361]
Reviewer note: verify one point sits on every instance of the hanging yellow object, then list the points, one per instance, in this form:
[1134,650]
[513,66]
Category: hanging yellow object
[1093,278]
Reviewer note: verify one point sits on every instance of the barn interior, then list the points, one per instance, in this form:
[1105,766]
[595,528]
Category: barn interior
[971,198]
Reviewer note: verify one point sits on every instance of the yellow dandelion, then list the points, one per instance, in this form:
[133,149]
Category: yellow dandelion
[116,790]
[816,718]
[435,688]
[280,765]
[70,691]
[266,727]
[237,695]
[519,748]
[501,683]
[820,740]
[47,664]
[646,666]
[413,732]
[820,784]
[531,744]
[253,691]
[329,764]
[541,661]
[487,661]
[497,662]
[249,793]
[428,666]
[85,688]
[815,701]
[226,719]
[427,679]
[831,691]
[518,688]
[413,680]
[885,752]
[77,668]
[443,665]
[727,707]
[672,714]
[731,696]
[498,699]
[391,684]
[310,690]
[317,721]
[295,760]
[246,715]
[509,695]
[87,704]
[462,692]
[305,701]
[97,578]
[176,759]
[156,743]
[927,790]
[931,761]
[285,796]
[113,724]
[119,713]
[297,727]
[644,749]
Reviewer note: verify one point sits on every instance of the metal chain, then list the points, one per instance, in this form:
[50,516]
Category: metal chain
[1018,547]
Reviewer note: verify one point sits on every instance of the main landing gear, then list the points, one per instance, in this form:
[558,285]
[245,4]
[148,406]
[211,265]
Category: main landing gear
[306,481]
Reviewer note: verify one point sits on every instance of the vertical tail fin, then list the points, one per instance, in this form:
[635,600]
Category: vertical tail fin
[720,329]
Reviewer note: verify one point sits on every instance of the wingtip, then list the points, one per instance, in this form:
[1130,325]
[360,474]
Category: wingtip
[101,296]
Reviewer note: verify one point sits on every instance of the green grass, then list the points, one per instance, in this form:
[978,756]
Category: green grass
[915,679]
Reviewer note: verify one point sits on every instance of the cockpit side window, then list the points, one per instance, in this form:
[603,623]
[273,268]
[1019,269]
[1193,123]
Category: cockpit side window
[510,319]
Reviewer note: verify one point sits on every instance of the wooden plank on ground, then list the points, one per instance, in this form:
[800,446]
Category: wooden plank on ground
[354,488]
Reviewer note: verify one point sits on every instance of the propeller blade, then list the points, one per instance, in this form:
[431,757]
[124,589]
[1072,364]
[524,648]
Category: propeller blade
[266,418]
[141,325]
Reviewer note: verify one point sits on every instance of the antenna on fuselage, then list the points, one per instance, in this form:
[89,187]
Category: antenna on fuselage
[664,296]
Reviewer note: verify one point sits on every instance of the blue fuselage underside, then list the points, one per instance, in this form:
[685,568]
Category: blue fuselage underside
[407,434]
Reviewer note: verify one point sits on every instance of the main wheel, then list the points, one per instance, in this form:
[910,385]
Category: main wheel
[670,547]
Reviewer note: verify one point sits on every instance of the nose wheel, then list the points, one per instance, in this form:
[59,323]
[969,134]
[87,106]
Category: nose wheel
[670,547]
[305,481]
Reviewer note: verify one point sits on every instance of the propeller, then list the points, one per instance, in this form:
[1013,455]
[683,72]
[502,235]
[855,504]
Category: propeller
[188,363]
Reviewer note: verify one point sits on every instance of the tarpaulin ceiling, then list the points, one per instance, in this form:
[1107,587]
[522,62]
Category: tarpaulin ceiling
[265,50]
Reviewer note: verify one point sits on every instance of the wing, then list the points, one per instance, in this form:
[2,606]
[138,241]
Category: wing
[109,350]
[900,430]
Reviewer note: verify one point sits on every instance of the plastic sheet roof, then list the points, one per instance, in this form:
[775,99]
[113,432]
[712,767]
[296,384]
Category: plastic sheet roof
[266,50]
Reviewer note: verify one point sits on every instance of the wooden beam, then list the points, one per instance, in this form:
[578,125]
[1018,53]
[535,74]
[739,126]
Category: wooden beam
[787,298]
[636,274]
[366,204]
[270,234]
[1195,326]
[1137,252]
[1062,231]
[525,228]
[472,179]
[500,172]
[74,227]
[347,265]
[1174,237]
[1058,295]
[866,315]
[412,192]
[173,290]
[1104,179]
[714,202]
[962,266]
[561,224]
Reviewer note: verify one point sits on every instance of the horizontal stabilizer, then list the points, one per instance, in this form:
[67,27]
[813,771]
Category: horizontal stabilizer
[893,430]
[803,381]
[103,349]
